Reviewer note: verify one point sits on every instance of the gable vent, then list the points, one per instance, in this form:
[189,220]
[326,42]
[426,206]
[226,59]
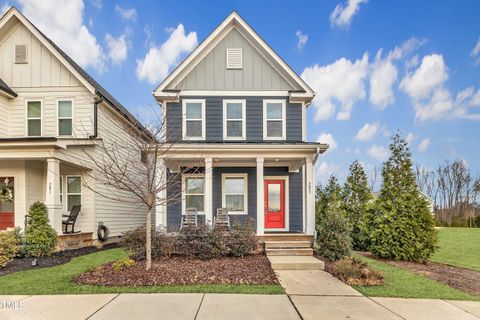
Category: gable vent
[234,58]
[21,53]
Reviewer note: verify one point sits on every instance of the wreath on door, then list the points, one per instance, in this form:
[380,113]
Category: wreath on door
[6,194]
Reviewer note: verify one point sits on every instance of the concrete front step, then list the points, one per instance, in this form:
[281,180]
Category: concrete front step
[289,252]
[286,237]
[287,244]
[295,263]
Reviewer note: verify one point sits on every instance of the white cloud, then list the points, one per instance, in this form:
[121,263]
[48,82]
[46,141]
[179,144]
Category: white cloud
[158,61]
[63,23]
[412,62]
[476,52]
[97,4]
[378,152]
[117,48]
[475,102]
[341,82]
[423,146]
[410,137]
[342,15]
[368,131]
[127,14]
[431,74]
[324,170]
[302,39]
[327,138]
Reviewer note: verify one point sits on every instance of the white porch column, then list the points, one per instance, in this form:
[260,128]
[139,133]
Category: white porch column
[260,198]
[52,194]
[310,195]
[161,202]
[208,206]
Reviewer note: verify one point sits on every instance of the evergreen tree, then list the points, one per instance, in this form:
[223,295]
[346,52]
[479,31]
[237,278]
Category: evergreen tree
[356,196]
[401,225]
[333,239]
[40,237]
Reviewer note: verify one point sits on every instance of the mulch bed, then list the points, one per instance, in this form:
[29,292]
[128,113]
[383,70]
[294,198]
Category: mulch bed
[465,280]
[57,258]
[252,269]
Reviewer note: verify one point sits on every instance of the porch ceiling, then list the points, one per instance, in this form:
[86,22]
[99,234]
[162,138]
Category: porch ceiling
[293,164]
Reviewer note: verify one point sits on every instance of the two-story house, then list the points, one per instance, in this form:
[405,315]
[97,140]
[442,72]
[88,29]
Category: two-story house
[237,106]
[50,111]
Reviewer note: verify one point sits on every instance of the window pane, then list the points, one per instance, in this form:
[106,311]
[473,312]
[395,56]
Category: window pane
[234,110]
[65,127]
[194,110]
[65,109]
[274,128]
[74,185]
[194,128]
[34,109]
[194,185]
[274,111]
[234,185]
[234,128]
[235,202]
[73,200]
[194,201]
[273,197]
[34,127]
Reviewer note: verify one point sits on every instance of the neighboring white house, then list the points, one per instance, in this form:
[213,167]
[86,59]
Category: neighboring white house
[49,107]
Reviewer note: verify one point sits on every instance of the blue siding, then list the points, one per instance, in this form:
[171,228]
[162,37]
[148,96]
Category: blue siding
[254,119]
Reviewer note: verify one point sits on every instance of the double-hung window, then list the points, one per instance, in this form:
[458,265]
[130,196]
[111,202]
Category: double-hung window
[74,191]
[193,119]
[64,113]
[34,118]
[234,195]
[234,119]
[274,123]
[194,192]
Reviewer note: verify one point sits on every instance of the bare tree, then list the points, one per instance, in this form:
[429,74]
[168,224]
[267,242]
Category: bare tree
[373,177]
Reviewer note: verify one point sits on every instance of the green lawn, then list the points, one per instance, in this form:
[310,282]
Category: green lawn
[406,284]
[459,247]
[58,280]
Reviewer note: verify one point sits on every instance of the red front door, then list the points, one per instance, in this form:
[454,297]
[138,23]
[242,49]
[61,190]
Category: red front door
[274,204]
[7,215]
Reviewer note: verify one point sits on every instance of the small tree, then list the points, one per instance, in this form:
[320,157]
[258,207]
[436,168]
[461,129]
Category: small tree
[40,237]
[401,225]
[333,240]
[356,196]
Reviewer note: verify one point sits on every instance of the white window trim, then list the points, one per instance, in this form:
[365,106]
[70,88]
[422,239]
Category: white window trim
[225,120]
[284,119]
[72,193]
[63,118]
[62,192]
[287,202]
[184,191]
[27,118]
[184,118]
[245,192]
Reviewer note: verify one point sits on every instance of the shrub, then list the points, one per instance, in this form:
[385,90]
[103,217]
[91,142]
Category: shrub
[241,239]
[8,247]
[333,229]
[400,224]
[135,241]
[40,237]
[123,264]
[196,241]
[354,272]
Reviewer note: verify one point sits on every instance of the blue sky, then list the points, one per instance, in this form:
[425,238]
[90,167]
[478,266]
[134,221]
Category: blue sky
[424,82]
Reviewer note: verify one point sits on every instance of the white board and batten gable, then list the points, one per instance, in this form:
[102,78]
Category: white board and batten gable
[234,60]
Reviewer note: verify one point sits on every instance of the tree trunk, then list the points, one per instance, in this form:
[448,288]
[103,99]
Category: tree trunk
[148,246]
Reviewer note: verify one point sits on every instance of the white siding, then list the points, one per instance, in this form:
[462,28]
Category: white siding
[3,117]
[35,172]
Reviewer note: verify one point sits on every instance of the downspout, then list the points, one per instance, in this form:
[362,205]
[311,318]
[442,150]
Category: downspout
[98,100]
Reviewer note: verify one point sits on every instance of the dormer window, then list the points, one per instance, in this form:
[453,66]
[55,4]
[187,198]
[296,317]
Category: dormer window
[234,58]
[193,119]
[21,53]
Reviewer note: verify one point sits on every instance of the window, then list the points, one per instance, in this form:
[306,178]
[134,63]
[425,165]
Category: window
[274,120]
[234,193]
[234,58]
[194,192]
[74,192]
[234,119]
[194,119]
[61,190]
[64,113]
[34,118]
[20,53]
